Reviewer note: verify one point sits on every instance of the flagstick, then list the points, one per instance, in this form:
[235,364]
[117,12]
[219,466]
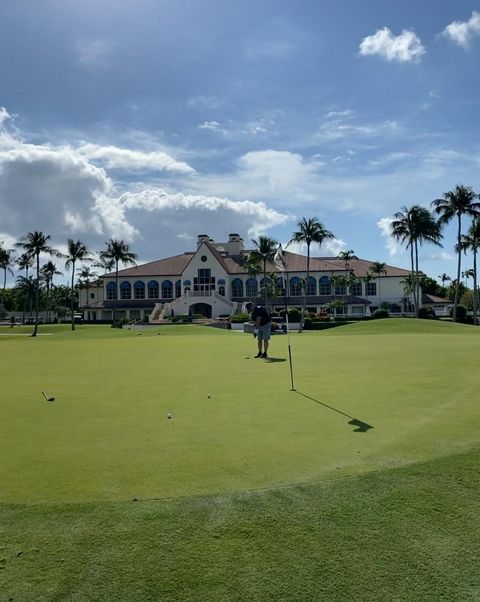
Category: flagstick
[278,262]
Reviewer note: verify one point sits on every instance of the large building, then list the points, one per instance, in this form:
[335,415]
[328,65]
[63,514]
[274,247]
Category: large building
[213,281]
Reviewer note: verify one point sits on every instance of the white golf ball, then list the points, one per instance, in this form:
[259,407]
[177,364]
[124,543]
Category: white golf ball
[209,396]
[169,416]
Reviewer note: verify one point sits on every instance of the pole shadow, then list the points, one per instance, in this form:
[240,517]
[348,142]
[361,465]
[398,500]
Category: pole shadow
[274,360]
[362,427]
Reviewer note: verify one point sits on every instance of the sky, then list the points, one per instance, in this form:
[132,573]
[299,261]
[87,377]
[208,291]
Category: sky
[154,121]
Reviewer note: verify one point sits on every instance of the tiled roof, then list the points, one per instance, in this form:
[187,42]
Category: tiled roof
[171,266]
[174,266]
[429,299]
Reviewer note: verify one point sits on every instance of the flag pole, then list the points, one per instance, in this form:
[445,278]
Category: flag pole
[279,264]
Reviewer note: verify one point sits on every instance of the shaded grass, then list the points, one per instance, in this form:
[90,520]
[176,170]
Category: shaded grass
[404,534]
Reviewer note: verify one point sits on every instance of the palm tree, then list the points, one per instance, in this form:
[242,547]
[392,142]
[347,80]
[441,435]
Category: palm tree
[25,262]
[367,279]
[106,264]
[309,231]
[117,251]
[27,286]
[34,244]
[471,242]
[444,278]
[378,268]
[264,252]
[455,203]
[86,278]
[49,270]
[76,251]
[415,226]
[7,260]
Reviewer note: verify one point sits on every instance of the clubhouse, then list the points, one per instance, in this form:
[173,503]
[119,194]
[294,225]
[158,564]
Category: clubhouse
[213,281]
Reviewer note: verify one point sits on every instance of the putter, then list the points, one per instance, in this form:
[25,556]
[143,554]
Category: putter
[250,348]
[47,397]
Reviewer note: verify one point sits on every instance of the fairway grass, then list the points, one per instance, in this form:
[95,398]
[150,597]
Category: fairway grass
[254,493]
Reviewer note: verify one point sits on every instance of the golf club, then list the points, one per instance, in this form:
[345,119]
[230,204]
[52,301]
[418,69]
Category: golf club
[47,397]
[251,345]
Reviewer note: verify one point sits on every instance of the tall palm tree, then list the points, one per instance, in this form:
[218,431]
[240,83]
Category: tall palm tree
[25,262]
[367,279]
[106,264]
[378,268]
[48,271]
[7,260]
[263,253]
[117,251]
[414,226]
[76,251]
[310,230]
[456,203]
[34,244]
[471,242]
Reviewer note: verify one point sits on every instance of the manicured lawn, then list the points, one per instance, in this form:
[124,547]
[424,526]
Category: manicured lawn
[254,493]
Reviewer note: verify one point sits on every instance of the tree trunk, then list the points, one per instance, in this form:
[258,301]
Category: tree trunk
[417,282]
[72,302]
[475,297]
[302,317]
[414,280]
[114,323]
[459,268]
[37,286]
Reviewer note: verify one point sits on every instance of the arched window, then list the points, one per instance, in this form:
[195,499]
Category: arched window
[251,288]
[295,287]
[221,290]
[153,290]
[237,288]
[111,291]
[311,286]
[167,290]
[324,286]
[125,290]
[139,290]
[178,288]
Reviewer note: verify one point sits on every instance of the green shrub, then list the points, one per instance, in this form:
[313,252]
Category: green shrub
[240,318]
[307,324]
[294,314]
[461,312]
[427,313]
[378,314]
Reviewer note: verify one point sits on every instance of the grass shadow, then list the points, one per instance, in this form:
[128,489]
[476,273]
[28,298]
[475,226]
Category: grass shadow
[362,427]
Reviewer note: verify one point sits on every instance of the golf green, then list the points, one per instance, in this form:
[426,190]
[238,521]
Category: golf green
[234,422]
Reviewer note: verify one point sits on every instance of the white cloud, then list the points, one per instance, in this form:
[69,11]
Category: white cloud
[461,32]
[4,115]
[406,47]
[392,245]
[211,125]
[329,247]
[114,157]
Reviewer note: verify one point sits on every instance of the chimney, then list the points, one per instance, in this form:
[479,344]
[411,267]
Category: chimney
[202,238]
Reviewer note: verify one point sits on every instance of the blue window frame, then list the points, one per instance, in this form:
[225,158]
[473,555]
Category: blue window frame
[111,291]
[125,290]
[167,289]
[251,288]
[324,286]
[139,290]
[295,287]
[153,290]
[237,288]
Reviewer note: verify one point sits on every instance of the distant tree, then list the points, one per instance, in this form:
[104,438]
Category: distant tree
[471,242]
[444,278]
[378,268]
[456,203]
[309,231]
[48,271]
[117,251]
[86,280]
[7,260]
[414,226]
[34,244]
[261,255]
[76,251]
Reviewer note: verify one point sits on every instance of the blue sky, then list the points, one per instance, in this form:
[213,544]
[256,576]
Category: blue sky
[155,121]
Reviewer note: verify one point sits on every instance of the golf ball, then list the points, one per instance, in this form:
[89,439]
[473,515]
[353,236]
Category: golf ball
[169,416]
[209,396]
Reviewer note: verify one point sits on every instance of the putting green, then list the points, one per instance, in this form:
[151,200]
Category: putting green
[107,435]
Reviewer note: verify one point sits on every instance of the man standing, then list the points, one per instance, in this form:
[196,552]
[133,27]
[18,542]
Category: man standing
[263,325]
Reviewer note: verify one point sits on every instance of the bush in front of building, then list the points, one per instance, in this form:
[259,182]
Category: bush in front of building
[427,313]
[379,314]
[240,318]
[461,312]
